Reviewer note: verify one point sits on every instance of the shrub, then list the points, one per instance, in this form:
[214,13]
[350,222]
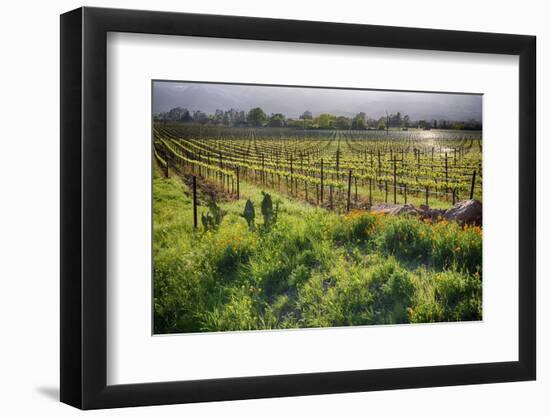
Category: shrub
[237,313]
[280,314]
[355,227]
[181,292]
[249,214]
[269,214]
[456,247]
[299,275]
[227,250]
[392,292]
[317,302]
[355,295]
[280,252]
[214,217]
[406,238]
[456,297]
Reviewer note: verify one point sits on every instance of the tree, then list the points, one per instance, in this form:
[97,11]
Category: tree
[256,117]
[177,114]
[218,117]
[423,124]
[295,123]
[232,117]
[305,116]
[343,123]
[359,121]
[226,119]
[406,120]
[381,123]
[200,117]
[325,121]
[396,120]
[240,118]
[473,124]
[277,120]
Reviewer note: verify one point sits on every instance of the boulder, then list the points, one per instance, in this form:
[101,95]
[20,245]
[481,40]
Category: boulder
[429,213]
[383,208]
[465,212]
[407,209]
[396,209]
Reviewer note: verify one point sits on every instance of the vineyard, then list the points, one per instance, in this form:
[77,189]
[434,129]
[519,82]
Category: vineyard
[337,170]
[267,228]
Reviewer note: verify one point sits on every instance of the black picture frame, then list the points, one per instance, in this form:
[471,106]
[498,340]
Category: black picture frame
[84,207]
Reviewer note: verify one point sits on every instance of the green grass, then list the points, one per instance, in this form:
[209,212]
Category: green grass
[311,268]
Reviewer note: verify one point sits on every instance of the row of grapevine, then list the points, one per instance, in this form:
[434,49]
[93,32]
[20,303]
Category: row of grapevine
[326,168]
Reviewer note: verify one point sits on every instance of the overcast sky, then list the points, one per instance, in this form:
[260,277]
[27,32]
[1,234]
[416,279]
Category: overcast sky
[292,101]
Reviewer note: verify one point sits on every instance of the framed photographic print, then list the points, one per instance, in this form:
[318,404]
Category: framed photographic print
[257,208]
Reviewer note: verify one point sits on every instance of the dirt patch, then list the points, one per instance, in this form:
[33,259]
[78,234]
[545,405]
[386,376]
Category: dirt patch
[206,190]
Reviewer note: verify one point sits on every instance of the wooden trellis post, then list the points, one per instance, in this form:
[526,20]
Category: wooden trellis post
[238,185]
[291,176]
[446,175]
[394,180]
[338,163]
[427,191]
[349,191]
[370,191]
[195,223]
[473,185]
[264,180]
[322,179]
[317,193]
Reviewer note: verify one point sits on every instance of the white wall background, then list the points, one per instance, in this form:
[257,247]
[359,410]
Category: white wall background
[29,209]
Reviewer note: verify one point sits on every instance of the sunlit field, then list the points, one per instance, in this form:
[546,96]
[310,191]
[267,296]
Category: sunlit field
[279,228]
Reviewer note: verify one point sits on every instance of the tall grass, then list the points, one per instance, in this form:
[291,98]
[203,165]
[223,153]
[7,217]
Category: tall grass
[310,268]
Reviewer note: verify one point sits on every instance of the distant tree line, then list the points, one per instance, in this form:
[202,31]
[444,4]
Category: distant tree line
[256,117]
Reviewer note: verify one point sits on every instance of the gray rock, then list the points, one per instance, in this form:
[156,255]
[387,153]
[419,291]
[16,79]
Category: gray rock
[466,212]
[407,209]
[432,214]
[384,208]
[396,209]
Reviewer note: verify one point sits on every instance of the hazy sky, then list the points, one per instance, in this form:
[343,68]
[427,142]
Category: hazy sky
[293,101]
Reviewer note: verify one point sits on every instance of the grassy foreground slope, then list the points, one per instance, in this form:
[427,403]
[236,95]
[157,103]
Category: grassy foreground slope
[311,268]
